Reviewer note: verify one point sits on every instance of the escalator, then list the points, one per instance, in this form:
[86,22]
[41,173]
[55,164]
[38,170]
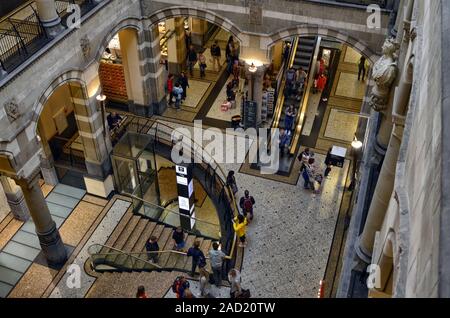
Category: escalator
[301,57]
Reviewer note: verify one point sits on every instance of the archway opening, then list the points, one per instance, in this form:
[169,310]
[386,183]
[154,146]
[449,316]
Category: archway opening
[60,135]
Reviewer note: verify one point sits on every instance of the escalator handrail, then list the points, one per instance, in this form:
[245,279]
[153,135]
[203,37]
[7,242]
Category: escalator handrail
[305,98]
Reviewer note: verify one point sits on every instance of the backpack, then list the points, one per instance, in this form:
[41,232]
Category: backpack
[177,284]
[248,205]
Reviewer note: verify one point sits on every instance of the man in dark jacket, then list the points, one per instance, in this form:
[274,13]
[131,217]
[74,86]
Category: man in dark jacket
[152,248]
[246,203]
[198,258]
[184,81]
[192,59]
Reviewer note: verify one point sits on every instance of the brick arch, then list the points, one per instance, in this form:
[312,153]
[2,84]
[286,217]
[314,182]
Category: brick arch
[210,16]
[128,23]
[316,30]
[70,76]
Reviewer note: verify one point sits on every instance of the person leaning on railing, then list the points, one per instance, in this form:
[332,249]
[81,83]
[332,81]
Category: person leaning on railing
[240,227]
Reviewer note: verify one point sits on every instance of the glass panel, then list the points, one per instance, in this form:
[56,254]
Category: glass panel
[125,174]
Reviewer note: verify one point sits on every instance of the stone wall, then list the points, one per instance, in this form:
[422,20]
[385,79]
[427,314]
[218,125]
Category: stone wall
[422,158]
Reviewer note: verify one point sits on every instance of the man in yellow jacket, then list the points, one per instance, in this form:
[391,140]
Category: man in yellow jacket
[240,227]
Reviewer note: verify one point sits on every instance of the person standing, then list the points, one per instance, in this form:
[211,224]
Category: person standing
[304,158]
[240,227]
[178,92]
[202,64]
[291,114]
[246,203]
[192,59]
[141,293]
[286,53]
[285,139]
[362,68]
[231,182]
[198,258]
[187,38]
[184,81]
[152,248]
[216,54]
[216,258]
[179,286]
[170,86]
[178,238]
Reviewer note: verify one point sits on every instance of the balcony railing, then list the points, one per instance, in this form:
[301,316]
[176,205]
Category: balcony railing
[22,33]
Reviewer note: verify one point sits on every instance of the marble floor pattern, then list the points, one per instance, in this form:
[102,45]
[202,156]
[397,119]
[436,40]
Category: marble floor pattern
[195,93]
[350,87]
[290,239]
[341,126]
[215,111]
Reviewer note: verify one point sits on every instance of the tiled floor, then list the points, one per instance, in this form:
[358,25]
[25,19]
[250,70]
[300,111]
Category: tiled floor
[350,87]
[215,111]
[341,126]
[195,93]
[23,248]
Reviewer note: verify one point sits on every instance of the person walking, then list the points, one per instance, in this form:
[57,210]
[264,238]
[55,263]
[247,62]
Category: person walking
[240,227]
[204,283]
[234,277]
[311,170]
[202,64]
[141,293]
[362,68]
[304,158]
[246,203]
[169,86]
[152,248]
[216,258]
[178,238]
[328,163]
[184,81]
[231,182]
[198,258]
[192,59]
[178,92]
[216,54]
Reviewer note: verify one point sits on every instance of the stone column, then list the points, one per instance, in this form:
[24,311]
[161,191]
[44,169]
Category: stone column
[15,198]
[386,180]
[153,72]
[47,162]
[49,17]
[176,46]
[132,63]
[199,29]
[96,140]
[48,234]
[256,88]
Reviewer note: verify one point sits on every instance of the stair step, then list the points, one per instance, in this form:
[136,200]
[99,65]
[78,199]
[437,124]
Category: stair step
[165,244]
[129,244]
[139,247]
[123,237]
[119,228]
[181,264]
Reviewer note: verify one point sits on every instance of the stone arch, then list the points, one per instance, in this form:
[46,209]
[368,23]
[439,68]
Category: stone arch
[316,30]
[207,15]
[69,76]
[128,23]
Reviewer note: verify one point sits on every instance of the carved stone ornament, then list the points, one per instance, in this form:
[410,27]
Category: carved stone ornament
[384,74]
[12,110]
[85,44]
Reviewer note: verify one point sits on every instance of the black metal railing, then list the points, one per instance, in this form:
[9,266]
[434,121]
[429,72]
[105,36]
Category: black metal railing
[22,33]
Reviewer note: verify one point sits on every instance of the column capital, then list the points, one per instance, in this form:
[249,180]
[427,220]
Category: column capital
[29,181]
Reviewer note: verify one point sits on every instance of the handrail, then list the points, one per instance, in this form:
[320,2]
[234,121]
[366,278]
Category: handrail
[155,125]
[280,101]
[167,209]
[305,99]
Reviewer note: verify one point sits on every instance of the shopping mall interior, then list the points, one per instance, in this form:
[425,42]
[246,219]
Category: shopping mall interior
[97,97]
